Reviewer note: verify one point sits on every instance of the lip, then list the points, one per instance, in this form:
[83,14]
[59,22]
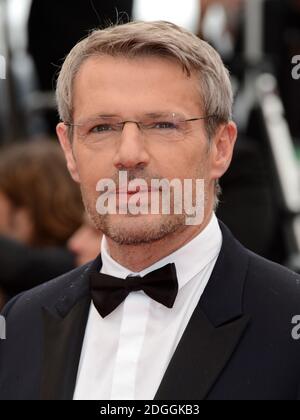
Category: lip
[125,191]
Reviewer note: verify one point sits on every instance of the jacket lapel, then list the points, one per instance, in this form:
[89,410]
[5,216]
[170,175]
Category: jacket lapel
[214,331]
[64,328]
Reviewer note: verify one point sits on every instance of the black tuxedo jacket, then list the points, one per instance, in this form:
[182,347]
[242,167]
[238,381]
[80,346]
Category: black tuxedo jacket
[238,344]
[24,267]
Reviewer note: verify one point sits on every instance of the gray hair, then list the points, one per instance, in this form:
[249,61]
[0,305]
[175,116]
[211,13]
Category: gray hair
[162,39]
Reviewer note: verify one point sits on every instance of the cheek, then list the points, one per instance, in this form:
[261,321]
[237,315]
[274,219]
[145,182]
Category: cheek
[4,215]
[184,160]
[92,165]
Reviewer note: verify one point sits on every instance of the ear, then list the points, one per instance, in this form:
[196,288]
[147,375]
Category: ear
[222,150]
[63,135]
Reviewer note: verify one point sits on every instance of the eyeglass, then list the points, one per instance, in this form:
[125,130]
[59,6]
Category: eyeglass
[169,127]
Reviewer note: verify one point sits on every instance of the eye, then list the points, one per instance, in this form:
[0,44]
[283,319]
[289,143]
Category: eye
[103,128]
[164,125]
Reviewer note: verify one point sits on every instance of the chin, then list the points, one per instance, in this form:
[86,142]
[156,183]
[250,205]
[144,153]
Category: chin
[139,230]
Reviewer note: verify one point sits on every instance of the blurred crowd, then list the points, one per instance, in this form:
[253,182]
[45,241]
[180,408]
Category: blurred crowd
[44,231]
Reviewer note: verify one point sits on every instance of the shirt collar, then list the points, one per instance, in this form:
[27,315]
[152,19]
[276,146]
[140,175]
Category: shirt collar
[189,260]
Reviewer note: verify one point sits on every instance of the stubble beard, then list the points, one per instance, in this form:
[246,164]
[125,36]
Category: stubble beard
[135,230]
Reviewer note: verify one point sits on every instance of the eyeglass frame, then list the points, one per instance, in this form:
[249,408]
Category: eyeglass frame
[139,123]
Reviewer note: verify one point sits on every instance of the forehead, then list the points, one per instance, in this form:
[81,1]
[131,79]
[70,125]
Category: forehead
[119,86]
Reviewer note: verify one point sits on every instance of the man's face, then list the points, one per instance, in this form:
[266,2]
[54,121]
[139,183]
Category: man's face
[131,89]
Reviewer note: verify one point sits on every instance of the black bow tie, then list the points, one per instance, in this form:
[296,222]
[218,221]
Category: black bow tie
[109,292]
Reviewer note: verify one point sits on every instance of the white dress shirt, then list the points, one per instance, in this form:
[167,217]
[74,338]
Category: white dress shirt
[126,354]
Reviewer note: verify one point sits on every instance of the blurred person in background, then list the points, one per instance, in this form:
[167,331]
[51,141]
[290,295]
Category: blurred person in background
[55,26]
[185,14]
[85,243]
[283,44]
[40,208]
[219,23]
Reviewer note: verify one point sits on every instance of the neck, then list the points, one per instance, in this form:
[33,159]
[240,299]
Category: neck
[137,258]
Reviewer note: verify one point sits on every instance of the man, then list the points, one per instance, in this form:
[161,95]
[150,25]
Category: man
[171,310]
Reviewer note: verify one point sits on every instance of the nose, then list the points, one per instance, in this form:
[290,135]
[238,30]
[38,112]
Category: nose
[131,151]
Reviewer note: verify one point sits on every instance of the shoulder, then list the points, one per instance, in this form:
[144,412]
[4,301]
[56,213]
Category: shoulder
[271,290]
[267,275]
[50,293]
[260,278]
[268,291]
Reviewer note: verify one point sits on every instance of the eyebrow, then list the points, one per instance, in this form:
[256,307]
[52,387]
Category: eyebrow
[148,114]
[95,116]
[107,116]
[158,114]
